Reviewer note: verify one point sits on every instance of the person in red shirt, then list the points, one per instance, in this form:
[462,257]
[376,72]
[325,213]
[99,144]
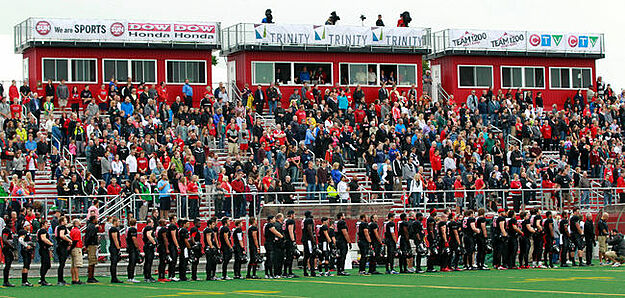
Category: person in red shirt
[16,109]
[479,194]
[515,185]
[549,192]
[76,251]
[459,193]
[436,163]
[13,92]
[142,163]
[301,115]
[113,189]
[193,189]
[545,129]
[279,135]
[74,99]
[162,93]
[102,98]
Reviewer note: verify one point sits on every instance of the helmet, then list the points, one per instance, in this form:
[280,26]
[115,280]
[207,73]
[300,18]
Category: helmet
[571,246]
[218,258]
[555,249]
[334,253]
[243,258]
[408,253]
[447,251]
[296,253]
[259,259]
[370,254]
[317,252]
[488,247]
[140,259]
[422,249]
[169,259]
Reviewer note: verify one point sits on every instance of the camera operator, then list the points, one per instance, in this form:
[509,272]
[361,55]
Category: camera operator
[404,19]
[332,19]
[617,254]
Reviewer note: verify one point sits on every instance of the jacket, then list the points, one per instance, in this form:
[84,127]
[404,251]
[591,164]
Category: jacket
[91,235]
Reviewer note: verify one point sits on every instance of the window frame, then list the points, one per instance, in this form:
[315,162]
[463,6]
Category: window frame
[570,70]
[192,84]
[523,78]
[129,67]
[69,78]
[492,76]
[292,79]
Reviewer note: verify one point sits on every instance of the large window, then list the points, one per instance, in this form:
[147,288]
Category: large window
[143,71]
[138,70]
[116,69]
[55,69]
[570,78]
[517,77]
[71,70]
[179,71]
[534,77]
[475,76]
[375,74]
[291,73]
[83,70]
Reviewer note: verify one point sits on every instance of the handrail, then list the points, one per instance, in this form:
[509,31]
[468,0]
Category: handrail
[443,92]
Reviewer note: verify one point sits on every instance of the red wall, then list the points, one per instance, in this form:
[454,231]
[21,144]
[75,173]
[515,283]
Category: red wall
[449,74]
[244,61]
[35,70]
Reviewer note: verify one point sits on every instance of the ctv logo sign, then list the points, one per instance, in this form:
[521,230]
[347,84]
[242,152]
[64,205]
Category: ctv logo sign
[554,40]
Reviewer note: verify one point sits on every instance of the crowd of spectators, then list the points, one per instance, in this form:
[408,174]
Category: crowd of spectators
[135,142]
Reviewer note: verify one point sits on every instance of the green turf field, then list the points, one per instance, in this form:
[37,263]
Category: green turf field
[580,282]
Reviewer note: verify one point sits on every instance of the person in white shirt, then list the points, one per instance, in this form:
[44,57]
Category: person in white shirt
[117,167]
[342,189]
[131,163]
[449,162]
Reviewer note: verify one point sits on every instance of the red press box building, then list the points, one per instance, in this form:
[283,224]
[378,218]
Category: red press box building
[91,52]
[259,54]
[556,64]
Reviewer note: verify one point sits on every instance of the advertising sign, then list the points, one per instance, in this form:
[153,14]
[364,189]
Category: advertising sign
[123,31]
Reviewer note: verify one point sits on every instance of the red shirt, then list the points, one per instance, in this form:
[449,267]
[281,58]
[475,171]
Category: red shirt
[142,164]
[280,140]
[74,234]
[515,184]
[103,95]
[13,93]
[113,189]
[546,131]
[162,94]
[192,188]
[458,186]
[301,116]
[359,116]
[479,184]
[436,163]
[16,111]
[74,98]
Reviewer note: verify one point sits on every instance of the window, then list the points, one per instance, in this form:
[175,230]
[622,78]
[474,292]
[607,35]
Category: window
[55,69]
[407,75]
[354,74]
[179,71]
[143,71]
[534,77]
[475,76]
[25,70]
[517,77]
[581,77]
[570,78]
[117,69]
[388,74]
[83,70]
[313,73]
[512,77]
[283,73]
[263,73]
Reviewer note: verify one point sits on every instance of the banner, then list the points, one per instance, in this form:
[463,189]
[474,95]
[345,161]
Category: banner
[487,39]
[352,36]
[491,40]
[568,42]
[123,31]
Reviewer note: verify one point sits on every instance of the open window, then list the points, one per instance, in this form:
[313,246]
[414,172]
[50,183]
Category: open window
[313,73]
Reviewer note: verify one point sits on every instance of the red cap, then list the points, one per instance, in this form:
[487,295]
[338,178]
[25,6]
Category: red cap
[501,210]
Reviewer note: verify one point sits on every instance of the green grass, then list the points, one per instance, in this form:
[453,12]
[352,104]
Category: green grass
[571,282]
